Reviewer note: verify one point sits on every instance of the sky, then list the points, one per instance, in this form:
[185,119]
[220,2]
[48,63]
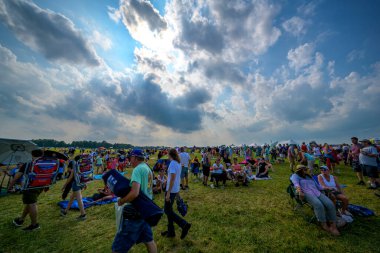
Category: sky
[190,72]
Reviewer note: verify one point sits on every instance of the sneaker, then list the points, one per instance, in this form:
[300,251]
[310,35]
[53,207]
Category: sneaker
[63,212]
[361,183]
[347,213]
[212,186]
[166,234]
[32,227]
[18,222]
[185,230]
[372,187]
[82,217]
[237,184]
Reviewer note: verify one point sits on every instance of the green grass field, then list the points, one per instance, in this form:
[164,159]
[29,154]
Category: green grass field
[257,218]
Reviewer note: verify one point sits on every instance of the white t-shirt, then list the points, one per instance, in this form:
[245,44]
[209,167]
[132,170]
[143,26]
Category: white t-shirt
[185,158]
[174,168]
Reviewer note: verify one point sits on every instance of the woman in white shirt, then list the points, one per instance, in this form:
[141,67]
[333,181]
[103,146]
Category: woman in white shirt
[330,183]
[172,189]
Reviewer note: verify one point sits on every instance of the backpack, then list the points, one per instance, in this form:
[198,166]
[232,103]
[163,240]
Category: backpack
[360,210]
[181,205]
[41,173]
[83,169]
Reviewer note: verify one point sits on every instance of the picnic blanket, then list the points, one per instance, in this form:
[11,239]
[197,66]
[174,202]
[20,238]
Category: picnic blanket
[99,176]
[87,202]
[261,178]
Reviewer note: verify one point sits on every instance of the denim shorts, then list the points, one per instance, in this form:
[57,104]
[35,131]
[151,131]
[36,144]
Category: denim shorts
[75,187]
[132,232]
[184,172]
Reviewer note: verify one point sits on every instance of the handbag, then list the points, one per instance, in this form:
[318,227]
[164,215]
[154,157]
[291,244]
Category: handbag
[182,206]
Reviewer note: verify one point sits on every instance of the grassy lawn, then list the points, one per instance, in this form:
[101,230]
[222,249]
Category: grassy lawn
[257,218]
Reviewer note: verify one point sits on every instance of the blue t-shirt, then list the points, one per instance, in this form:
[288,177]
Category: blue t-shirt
[218,169]
[174,168]
[309,157]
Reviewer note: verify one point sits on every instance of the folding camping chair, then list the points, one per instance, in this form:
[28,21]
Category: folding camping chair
[41,173]
[299,205]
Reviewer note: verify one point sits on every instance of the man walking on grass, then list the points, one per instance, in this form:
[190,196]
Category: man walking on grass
[134,229]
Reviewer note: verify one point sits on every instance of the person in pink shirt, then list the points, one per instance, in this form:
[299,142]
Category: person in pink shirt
[354,156]
[239,174]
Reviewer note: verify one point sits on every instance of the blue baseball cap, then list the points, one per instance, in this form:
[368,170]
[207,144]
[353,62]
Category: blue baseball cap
[137,153]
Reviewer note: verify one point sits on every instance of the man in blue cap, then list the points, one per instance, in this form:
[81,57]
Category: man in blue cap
[134,228]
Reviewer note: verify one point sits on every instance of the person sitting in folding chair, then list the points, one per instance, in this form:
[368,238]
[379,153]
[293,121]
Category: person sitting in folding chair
[330,184]
[324,208]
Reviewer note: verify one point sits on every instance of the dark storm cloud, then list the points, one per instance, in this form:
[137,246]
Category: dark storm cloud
[78,103]
[136,10]
[47,32]
[301,103]
[193,98]
[144,97]
[149,100]
[224,71]
[198,35]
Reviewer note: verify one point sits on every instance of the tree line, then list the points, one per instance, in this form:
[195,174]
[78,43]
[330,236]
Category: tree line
[80,144]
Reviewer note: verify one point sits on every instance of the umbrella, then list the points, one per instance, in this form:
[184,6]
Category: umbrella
[16,151]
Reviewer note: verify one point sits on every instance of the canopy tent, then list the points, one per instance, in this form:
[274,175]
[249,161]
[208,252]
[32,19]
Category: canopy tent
[289,142]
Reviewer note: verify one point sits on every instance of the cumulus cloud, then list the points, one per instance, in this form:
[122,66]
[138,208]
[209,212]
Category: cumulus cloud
[47,32]
[238,30]
[295,26]
[301,56]
[101,40]
[355,55]
[114,14]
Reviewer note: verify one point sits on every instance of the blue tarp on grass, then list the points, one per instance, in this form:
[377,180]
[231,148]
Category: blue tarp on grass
[87,202]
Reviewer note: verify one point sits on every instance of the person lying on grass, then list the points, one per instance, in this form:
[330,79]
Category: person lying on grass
[103,194]
[331,185]
[323,207]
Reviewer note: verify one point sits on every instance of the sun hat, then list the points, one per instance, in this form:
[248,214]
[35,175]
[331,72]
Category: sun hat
[300,167]
[365,140]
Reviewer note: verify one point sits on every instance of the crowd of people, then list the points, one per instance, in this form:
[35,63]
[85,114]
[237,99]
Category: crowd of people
[215,167]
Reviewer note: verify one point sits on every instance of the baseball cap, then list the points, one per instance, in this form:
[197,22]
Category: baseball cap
[324,168]
[137,153]
[354,138]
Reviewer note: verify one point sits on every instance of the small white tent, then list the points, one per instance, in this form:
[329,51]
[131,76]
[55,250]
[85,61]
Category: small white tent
[289,142]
